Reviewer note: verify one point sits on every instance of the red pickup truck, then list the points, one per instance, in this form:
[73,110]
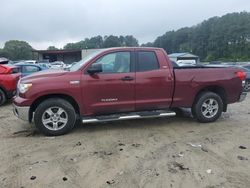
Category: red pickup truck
[9,76]
[124,83]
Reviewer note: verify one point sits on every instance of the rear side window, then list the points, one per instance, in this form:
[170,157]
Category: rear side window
[147,61]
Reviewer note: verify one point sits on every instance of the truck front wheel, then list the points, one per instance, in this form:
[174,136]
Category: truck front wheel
[55,117]
[208,107]
[3,97]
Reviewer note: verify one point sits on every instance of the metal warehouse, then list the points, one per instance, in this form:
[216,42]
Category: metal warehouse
[67,56]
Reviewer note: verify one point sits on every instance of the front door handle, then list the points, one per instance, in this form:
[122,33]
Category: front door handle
[127,78]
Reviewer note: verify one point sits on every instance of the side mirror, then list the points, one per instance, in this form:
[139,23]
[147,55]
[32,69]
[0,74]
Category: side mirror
[95,68]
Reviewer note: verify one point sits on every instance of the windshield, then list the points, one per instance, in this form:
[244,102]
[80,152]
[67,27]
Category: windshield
[76,66]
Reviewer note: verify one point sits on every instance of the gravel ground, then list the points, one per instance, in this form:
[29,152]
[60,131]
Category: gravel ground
[165,152]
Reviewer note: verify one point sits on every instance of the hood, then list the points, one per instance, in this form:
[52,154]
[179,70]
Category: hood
[44,74]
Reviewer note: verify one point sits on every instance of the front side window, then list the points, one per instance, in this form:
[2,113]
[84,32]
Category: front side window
[147,61]
[118,62]
[77,65]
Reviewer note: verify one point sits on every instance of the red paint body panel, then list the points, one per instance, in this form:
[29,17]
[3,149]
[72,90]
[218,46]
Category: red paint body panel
[96,88]
[188,82]
[8,80]
[50,83]
[155,89]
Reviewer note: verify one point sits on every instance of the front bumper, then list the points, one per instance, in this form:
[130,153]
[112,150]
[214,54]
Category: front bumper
[242,96]
[21,112]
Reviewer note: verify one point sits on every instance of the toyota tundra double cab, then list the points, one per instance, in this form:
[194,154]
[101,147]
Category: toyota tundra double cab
[124,83]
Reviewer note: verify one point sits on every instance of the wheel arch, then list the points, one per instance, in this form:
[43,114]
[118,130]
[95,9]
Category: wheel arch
[215,89]
[3,89]
[5,97]
[40,99]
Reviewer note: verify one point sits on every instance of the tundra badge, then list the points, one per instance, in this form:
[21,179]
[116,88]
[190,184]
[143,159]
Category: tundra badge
[74,82]
[109,100]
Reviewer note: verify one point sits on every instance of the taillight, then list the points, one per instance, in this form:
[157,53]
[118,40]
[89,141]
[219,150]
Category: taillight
[241,75]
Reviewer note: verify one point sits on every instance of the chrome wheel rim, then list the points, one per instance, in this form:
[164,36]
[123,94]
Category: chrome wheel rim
[209,108]
[247,86]
[55,118]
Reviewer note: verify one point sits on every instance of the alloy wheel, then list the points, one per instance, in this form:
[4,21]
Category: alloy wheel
[209,108]
[55,118]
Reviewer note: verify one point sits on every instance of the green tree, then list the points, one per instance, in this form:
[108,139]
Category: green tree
[52,48]
[111,41]
[17,50]
[128,41]
[103,42]
[148,44]
[226,38]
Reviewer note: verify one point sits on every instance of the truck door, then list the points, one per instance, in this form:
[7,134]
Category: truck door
[113,89]
[154,81]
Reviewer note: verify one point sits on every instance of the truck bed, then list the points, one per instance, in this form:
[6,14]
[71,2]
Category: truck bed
[189,80]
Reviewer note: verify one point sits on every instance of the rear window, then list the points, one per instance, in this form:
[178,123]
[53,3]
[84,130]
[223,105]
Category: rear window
[147,61]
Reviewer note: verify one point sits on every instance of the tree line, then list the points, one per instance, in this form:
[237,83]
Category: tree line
[225,38]
[101,42]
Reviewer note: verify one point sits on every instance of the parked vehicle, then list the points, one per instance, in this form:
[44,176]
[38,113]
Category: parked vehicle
[44,63]
[57,65]
[246,68]
[3,60]
[191,62]
[9,76]
[68,66]
[125,83]
[30,61]
[27,69]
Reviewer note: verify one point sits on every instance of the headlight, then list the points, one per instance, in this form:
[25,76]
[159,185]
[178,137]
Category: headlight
[23,87]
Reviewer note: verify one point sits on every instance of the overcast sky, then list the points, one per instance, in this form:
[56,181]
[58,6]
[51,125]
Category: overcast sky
[57,22]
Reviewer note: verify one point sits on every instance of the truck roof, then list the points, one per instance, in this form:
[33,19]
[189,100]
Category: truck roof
[139,48]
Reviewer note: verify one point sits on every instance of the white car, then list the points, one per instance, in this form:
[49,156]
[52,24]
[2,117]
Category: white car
[30,61]
[57,65]
[186,62]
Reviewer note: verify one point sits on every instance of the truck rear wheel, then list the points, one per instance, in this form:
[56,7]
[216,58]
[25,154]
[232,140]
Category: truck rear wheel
[55,117]
[208,107]
[3,97]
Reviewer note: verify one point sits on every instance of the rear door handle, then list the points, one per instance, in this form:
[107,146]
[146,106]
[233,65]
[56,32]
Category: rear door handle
[127,78]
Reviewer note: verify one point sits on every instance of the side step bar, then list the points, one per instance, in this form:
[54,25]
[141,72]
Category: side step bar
[135,115]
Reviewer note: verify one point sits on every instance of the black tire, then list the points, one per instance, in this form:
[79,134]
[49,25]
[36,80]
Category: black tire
[213,110]
[54,104]
[193,112]
[247,86]
[3,97]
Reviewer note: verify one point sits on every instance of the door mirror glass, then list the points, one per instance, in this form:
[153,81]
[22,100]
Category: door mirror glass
[95,68]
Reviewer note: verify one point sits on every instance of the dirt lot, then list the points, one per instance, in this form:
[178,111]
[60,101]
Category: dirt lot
[176,152]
